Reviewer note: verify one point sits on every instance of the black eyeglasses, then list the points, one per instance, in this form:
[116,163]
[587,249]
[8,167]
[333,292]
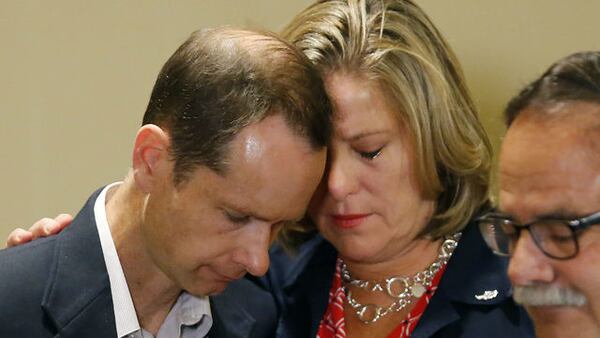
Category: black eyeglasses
[556,238]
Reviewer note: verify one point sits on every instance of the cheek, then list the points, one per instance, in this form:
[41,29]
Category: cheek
[189,234]
[398,180]
[157,226]
[317,201]
[585,264]
[581,273]
[383,189]
[377,182]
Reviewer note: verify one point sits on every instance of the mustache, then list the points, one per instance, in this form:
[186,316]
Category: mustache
[548,295]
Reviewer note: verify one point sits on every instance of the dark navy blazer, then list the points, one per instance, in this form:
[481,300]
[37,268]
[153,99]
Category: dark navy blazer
[59,287]
[301,287]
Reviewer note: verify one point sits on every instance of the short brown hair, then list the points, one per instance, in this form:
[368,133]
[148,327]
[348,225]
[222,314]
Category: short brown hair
[395,43]
[573,78]
[223,79]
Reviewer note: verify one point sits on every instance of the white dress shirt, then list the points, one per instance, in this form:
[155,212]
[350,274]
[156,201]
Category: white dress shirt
[189,317]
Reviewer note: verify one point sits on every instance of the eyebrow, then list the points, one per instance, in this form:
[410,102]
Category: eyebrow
[557,215]
[364,134]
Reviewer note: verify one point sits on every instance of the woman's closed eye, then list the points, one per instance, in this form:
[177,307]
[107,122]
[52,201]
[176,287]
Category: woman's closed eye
[370,155]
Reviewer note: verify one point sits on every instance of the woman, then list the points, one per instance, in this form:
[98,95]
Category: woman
[408,169]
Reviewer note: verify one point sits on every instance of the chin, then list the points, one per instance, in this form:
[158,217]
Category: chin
[561,330]
[357,252]
[563,321]
[200,288]
[360,246]
[206,291]
[214,292]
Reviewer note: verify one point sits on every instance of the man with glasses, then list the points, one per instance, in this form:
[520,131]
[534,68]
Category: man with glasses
[550,198]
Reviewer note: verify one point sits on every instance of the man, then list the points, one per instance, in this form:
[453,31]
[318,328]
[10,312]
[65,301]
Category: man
[550,198]
[231,147]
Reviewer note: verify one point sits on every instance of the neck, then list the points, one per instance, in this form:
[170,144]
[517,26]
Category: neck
[416,257]
[152,292]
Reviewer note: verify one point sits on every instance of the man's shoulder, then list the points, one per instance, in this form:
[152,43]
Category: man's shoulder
[60,275]
[25,272]
[25,269]
[21,267]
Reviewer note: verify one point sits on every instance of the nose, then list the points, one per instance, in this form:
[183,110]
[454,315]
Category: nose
[340,177]
[528,264]
[253,253]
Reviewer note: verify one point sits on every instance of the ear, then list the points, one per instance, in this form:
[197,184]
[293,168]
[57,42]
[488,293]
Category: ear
[151,162]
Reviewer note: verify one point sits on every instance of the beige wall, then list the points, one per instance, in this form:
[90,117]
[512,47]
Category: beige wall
[503,45]
[76,76]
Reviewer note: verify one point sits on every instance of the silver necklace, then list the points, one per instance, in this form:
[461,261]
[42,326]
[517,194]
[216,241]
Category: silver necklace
[401,289]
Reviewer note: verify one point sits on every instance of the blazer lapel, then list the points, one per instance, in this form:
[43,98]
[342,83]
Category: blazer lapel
[77,298]
[472,272]
[306,289]
[317,288]
[229,319]
[439,313]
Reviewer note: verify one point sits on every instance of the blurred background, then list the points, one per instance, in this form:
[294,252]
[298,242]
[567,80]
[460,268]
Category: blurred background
[76,77]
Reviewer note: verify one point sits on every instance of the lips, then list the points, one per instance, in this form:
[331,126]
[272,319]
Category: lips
[347,221]
[224,278]
[228,278]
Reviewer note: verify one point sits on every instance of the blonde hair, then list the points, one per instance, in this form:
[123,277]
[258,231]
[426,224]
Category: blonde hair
[395,43]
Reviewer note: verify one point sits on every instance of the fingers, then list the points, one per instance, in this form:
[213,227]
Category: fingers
[42,228]
[62,221]
[17,237]
[48,226]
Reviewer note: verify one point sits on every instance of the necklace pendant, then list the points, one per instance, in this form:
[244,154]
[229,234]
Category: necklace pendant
[369,313]
[377,287]
[401,289]
[417,290]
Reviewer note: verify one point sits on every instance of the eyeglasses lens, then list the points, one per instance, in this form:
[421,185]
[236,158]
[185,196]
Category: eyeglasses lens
[498,235]
[555,238]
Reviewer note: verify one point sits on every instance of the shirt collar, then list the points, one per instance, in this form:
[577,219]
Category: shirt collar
[187,311]
[125,317]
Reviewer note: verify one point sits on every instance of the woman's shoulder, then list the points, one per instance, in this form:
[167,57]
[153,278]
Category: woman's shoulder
[474,296]
[474,268]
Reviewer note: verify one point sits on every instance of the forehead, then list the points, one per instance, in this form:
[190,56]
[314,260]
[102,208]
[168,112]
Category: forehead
[549,165]
[359,103]
[271,172]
